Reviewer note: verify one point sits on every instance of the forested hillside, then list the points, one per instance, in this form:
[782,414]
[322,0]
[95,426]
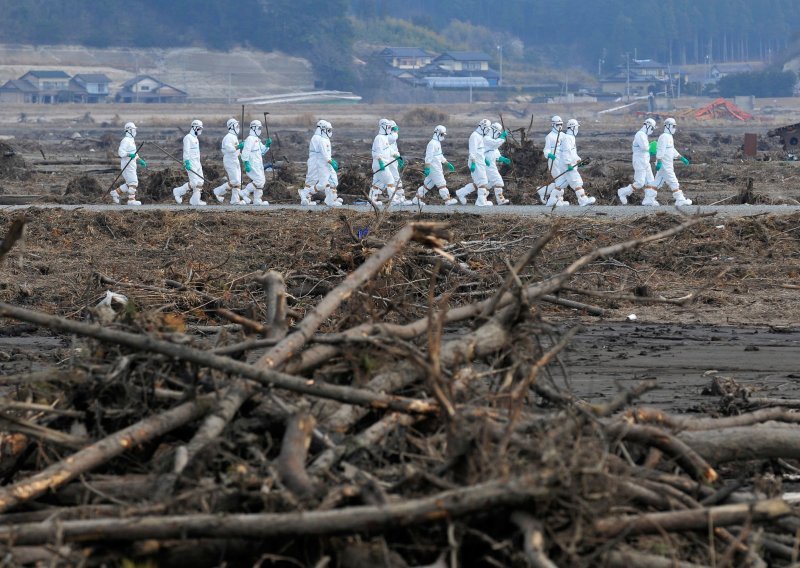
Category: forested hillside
[589,33]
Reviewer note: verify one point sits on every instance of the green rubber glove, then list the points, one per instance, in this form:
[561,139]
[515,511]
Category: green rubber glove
[451,167]
[685,160]
[570,168]
[142,162]
[240,145]
[472,166]
[658,165]
[401,162]
[653,147]
[504,135]
[187,164]
[487,162]
[504,160]
[247,167]
[551,156]
[334,165]
[381,166]
[395,129]
[268,142]
[132,156]
[427,171]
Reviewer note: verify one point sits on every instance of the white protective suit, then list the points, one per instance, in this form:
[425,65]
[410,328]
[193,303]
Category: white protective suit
[394,167]
[252,155]
[127,162]
[552,142]
[642,171]
[477,151]
[492,143]
[320,175]
[233,169]
[434,160]
[666,154]
[191,154]
[381,152]
[568,156]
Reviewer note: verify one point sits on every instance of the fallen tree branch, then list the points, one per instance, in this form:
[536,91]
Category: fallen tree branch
[693,519]
[266,377]
[650,436]
[99,453]
[437,507]
[742,443]
[291,463]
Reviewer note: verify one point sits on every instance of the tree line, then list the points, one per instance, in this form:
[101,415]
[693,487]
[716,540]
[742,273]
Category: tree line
[595,34]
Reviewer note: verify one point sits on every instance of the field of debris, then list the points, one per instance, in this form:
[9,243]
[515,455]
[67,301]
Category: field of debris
[342,388]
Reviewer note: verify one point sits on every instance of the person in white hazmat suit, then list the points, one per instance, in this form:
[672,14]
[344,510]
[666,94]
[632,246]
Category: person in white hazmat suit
[253,152]
[642,171]
[191,162]
[230,159]
[665,168]
[321,172]
[434,169]
[496,138]
[382,177]
[551,144]
[395,166]
[129,159]
[477,163]
[567,160]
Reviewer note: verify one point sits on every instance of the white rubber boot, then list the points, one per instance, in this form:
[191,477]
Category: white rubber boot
[132,197]
[650,198]
[422,191]
[115,193]
[499,197]
[305,197]
[556,199]
[246,193]
[444,193]
[257,195]
[179,192]
[542,192]
[235,199]
[461,194]
[195,200]
[374,194]
[623,193]
[332,197]
[219,192]
[481,201]
[583,199]
[680,199]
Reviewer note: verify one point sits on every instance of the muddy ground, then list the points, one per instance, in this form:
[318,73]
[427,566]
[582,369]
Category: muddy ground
[743,320]
[736,271]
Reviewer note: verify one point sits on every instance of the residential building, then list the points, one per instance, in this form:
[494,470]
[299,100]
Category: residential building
[406,57]
[456,61]
[89,88]
[51,86]
[147,89]
[18,91]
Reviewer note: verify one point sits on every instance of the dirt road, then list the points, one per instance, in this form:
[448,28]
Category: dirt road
[611,211]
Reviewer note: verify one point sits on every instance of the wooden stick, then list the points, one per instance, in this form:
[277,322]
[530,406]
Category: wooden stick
[97,454]
[693,519]
[685,456]
[437,507]
[291,463]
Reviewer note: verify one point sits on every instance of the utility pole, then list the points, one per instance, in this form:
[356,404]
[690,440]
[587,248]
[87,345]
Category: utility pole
[628,76]
[500,81]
